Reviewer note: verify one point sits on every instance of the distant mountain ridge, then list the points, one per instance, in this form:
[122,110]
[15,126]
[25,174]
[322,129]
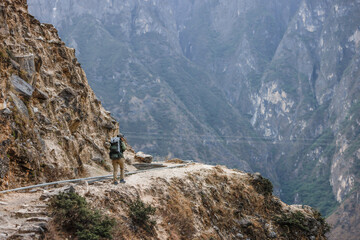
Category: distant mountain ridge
[270,87]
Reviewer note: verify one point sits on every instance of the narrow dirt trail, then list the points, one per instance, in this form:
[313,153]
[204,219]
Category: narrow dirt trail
[23,214]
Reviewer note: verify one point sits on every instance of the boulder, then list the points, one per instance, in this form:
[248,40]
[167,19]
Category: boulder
[143,158]
[57,191]
[4,30]
[21,86]
[42,119]
[109,126]
[244,222]
[15,64]
[20,105]
[27,63]
[6,111]
[68,95]
[40,95]
[33,228]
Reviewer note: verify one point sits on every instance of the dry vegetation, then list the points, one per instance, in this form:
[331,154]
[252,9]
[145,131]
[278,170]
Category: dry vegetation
[212,203]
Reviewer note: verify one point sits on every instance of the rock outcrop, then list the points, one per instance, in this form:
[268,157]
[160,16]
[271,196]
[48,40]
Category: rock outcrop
[205,202]
[193,202]
[52,124]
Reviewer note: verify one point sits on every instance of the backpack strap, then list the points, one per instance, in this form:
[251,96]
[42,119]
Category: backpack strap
[123,147]
[118,145]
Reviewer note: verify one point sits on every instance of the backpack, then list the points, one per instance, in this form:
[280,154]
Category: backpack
[117,147]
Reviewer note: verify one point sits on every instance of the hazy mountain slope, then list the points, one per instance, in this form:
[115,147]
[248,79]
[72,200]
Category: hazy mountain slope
[308,98]
[234,41]
[168,104]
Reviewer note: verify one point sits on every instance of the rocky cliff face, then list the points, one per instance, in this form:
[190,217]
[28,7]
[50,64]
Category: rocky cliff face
[308,97]
[275,83]
[52,125]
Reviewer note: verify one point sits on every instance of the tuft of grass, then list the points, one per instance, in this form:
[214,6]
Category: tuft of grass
[140,214]
[75,216]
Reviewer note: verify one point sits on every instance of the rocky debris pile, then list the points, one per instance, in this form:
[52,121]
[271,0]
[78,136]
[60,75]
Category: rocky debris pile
[52,124]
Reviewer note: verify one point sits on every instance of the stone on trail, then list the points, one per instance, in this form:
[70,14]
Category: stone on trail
[24,236]
[50,194]
[143,158]
[38,219]
[24,213]
[30,228]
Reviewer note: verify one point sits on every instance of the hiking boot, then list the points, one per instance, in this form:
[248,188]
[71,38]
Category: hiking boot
[116,183]
[122,181]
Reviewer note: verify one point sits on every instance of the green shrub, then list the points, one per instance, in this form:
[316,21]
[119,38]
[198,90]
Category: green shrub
[140,214]
[262,185]
[296,219]
[322,220]
[74,214]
